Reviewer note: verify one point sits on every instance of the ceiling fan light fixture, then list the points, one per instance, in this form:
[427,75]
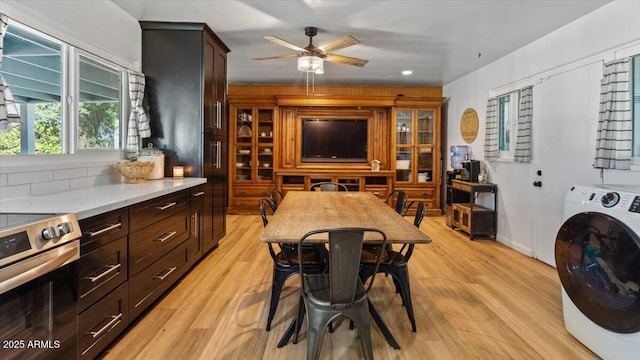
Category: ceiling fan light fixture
[311,64]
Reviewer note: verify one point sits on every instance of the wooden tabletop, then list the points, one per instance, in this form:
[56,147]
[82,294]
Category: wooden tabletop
[303,211]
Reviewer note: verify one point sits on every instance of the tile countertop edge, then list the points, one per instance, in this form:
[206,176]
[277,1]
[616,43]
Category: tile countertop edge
[95,200]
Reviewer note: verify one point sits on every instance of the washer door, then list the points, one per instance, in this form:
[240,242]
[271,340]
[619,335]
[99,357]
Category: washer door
[598,260]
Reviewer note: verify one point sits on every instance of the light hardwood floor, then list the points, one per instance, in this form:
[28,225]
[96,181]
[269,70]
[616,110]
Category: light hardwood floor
[472,300]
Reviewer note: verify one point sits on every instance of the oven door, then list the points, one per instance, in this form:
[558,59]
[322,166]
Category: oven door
[38,319]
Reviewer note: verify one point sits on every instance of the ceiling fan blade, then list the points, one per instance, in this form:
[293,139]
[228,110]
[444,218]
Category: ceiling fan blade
[287,56]
[339,43]
[284,43]
[340,59]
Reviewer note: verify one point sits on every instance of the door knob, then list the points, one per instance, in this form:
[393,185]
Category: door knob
[537,183]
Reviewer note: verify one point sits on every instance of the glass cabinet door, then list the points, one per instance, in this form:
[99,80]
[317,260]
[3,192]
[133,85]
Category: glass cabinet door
[404,143]
[414,145]
[243,153]
[264,136]
[425,140]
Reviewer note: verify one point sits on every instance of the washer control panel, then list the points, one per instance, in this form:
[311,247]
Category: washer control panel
[610,199]
[635,205]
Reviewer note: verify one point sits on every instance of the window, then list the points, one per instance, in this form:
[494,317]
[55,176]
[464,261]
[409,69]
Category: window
[98,105]
[635,110]
[507,122]
[41,73]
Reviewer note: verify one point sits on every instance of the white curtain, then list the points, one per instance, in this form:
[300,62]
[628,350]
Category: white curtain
[615,127]
[525,115]
[138,127]
[9,117]
[491,134]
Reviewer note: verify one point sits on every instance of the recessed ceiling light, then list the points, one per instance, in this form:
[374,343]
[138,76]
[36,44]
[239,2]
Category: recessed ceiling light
[407,72]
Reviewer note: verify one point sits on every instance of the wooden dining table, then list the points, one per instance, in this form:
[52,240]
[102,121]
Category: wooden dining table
[304,211]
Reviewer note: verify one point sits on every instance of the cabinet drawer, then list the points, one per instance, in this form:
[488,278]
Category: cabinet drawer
[152,282]
[102,323]
[379,191]
[243,191]
[101,271]
[420,194]
[461,186]
[154,210]
[151,243]
[101,229]
[246,203]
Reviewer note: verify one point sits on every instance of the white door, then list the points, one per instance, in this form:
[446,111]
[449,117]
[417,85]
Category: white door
[565,126]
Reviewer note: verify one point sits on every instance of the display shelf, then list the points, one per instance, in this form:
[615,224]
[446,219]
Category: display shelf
[469,216]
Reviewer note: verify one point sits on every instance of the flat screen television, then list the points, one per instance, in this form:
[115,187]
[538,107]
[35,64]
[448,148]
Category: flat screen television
[334,140]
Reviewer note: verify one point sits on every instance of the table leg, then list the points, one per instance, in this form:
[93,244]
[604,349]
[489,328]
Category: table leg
[382,326]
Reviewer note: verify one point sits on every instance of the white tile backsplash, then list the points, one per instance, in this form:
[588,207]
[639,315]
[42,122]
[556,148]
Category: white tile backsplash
[11,192]
[30,177]
[63,174]
[49,187]
[17,181]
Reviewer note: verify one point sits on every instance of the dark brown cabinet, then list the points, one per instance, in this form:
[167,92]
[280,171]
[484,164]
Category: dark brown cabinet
[185,66]
[102,281]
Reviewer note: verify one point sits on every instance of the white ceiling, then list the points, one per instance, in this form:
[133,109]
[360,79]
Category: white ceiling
[439,40]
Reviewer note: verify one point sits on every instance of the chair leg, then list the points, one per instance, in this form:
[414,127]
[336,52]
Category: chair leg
[279,277]
[405,292]
[364,333]
[299,319]
[317,322]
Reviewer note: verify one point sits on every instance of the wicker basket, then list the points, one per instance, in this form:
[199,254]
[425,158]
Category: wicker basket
[135,172]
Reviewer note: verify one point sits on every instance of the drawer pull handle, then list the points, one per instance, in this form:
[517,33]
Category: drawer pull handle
[199,193]
[167,273]
[102,231]
[166,206]
[115,320]
[164,238]
[111,269]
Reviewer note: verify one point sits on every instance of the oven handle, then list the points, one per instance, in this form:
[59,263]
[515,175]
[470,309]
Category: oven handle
[31,268]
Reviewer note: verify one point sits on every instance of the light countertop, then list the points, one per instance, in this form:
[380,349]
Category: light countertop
[90,201]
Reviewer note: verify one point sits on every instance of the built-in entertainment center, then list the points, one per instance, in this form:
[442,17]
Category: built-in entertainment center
[281,139]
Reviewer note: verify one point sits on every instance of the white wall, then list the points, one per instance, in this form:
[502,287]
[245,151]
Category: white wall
[610,32]
[101,28]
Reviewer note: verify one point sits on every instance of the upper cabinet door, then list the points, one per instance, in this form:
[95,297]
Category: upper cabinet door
[215,89]
[415,146]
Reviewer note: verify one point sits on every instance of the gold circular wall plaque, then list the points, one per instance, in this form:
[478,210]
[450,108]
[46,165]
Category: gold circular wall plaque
[469,125]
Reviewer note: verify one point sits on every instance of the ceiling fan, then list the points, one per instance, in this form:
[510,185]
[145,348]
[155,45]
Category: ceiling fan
[310,57]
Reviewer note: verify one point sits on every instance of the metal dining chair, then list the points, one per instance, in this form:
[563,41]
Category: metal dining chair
[325,297]
[395,263]
[286,262]
[400,201]
[328,186]
[276,197]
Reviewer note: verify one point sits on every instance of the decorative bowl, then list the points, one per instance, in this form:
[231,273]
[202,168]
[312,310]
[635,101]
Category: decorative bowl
[135,172]
[239,164]
[244,151]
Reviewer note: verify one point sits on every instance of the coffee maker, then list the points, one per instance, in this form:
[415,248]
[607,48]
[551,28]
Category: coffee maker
[470,170]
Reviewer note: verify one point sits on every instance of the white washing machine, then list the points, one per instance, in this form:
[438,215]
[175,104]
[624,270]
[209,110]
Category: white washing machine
[597,253]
